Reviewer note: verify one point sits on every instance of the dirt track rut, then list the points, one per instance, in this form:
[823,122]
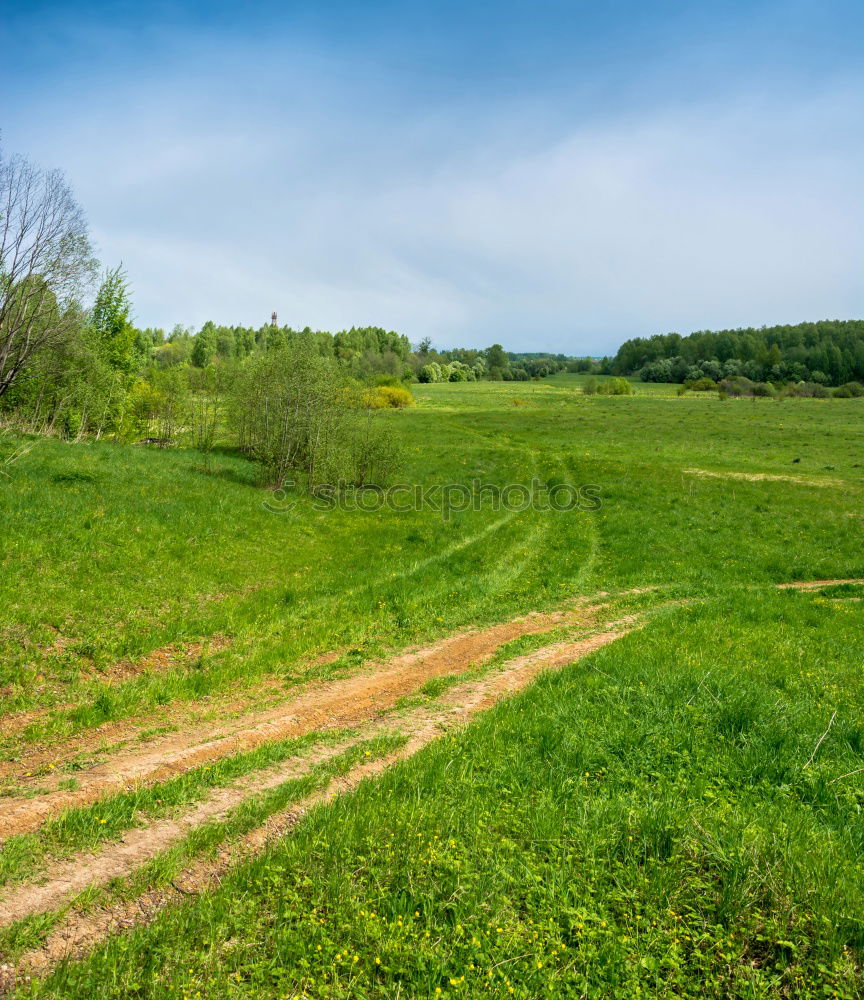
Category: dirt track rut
[421,725]
[339,703]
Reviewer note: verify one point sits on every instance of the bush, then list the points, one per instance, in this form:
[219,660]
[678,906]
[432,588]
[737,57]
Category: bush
[764,389]
[457,372]
[295,412]
[736,386]
[701,385]
[373,455]
[383,397]
[590,386]
[615,387]
[430,373]
[800,390]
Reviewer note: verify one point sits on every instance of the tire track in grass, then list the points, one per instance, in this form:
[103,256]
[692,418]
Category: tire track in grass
[11,726]
[531,549]
[140,844]
[78,933]
[340,703]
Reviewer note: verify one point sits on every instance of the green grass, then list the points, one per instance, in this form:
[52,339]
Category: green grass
[643,824]
[700,733]
[117,576]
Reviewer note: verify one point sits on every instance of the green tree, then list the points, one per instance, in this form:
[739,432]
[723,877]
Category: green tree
[204,345]
[496,361]
[117,338]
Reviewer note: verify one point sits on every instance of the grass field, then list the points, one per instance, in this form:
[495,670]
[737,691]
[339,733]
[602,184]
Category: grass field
[673,810]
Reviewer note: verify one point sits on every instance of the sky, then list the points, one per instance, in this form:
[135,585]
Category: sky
[548,175]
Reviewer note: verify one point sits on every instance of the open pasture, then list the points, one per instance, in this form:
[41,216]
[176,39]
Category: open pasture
[482,752]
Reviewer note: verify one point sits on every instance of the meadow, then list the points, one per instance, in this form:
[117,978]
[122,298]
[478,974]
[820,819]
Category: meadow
[675,812]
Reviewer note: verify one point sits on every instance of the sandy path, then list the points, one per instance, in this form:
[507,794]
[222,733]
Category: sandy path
[140,844]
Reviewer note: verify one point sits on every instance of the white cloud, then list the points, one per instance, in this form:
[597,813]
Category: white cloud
[467,224]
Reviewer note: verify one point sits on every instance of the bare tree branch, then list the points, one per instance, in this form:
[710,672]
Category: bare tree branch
[46,261]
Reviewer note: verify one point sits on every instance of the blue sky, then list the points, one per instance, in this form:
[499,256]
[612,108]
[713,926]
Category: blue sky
[547,175]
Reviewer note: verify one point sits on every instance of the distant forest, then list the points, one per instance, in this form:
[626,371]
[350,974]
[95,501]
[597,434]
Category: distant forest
[365,352]
[828,352]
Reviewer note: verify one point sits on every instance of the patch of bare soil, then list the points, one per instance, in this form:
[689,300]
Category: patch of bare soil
[758,477]
[80,932]
[815,584]
[345,702]
[164,659]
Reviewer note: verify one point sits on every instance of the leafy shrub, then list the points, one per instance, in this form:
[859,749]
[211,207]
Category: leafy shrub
[615,387]
[590,386]
[457,372]
[430,373]
[295,412]
[701,385]
[736,385]
[849,391]
[383,397]
[764,389]
[373,454]
[809,390]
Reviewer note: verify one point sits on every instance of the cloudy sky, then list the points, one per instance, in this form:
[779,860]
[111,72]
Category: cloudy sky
[550,175]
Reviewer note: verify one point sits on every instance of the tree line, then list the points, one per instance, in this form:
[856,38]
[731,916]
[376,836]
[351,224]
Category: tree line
[80,370]
[495,364]
[303,404]
[827,353]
